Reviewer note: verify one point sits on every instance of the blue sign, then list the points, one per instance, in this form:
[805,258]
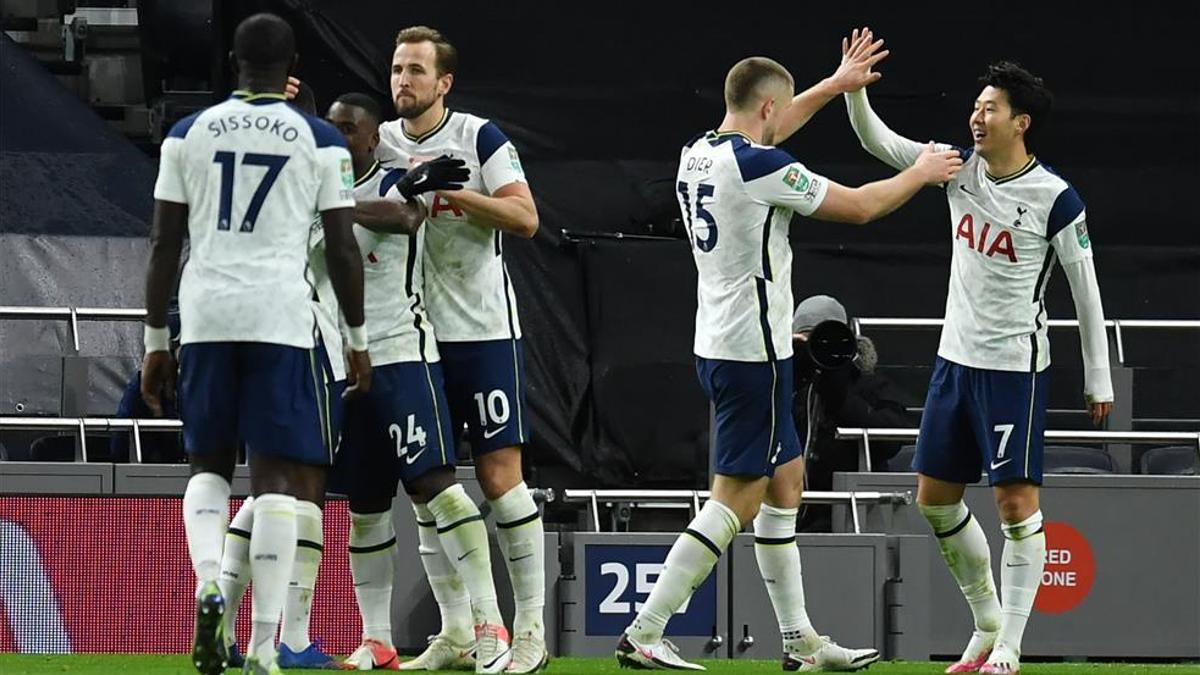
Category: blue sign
[618,579]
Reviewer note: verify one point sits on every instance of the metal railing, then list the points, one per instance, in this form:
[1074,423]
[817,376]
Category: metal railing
[693,498]
[72,315]
[1117,325]
[82,425]
[865,435]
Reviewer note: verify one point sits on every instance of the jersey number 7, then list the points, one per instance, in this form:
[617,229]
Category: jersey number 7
[273,163]
[703,190]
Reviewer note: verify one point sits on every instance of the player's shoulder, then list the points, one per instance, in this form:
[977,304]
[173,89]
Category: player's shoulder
[755,161]
[1050,179]
[479,133]
[1065,202]
[324,134]
[180,129]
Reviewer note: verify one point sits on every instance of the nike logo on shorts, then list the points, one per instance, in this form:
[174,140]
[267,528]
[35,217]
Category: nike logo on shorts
[997,465]
[495,432]
[409,459]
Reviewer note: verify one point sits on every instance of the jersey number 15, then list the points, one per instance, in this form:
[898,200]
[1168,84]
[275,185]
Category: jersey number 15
[272,163]
[698,212]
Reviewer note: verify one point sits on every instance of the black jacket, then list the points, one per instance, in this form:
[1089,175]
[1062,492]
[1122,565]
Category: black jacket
[854,396]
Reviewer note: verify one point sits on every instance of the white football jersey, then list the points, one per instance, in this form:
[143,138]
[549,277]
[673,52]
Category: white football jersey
[252,171]
[324,303]
[398,328]
[737,199]
[468,292]
[1007,235]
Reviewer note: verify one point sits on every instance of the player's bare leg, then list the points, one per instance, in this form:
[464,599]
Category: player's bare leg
[1022,562]
[804,649]
[965,549]
[521,536]
[205,514]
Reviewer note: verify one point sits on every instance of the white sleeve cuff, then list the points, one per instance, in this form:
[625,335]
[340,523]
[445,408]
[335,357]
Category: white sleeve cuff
[156,339]
[356,338]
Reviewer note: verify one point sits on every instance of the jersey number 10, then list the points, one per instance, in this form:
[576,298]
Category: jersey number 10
[227,160]
[691,215]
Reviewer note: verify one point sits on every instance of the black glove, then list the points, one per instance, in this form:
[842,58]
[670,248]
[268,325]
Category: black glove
[443,173]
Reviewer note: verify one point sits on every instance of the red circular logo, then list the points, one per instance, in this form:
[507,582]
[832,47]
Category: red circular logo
[1069,572]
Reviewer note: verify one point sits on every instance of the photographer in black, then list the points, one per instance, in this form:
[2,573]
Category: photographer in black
[837,385]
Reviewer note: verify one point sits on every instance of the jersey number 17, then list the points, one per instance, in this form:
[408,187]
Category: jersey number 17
[227,160]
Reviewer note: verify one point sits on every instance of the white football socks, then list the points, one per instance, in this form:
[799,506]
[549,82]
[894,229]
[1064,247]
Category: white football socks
[205,517]
[521,536]
[965,549]
[235,566]
[272,554]
[310,545]
[1021,566]
[688,564]
[454,603]
[779,564]
[464,538]
[372,548]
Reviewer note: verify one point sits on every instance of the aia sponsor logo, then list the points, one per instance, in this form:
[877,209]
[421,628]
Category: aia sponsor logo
[985,240]
[441,206]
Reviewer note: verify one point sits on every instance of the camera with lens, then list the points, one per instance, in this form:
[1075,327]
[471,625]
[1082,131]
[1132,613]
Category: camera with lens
[831,345]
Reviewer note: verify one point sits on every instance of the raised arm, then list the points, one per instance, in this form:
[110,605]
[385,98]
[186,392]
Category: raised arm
[860,53]
[775,178]
[866,203]
[876,138]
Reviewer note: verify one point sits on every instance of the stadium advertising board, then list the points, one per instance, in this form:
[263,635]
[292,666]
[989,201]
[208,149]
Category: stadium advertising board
[111,574]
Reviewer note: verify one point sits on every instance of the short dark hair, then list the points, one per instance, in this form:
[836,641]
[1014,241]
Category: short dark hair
[364,101]
[306,99]
[746,78]
[446,59]
[1027,95]
[264,40]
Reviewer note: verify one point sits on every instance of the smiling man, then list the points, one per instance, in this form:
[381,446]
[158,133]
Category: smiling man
[1012,217]
[473,309]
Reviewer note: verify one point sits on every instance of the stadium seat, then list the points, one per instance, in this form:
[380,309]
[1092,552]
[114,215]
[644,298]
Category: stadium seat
[1175,460]
[902,461]
[1077,460]
[62,449]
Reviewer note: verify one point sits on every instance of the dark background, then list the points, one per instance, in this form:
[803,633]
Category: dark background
[598,97]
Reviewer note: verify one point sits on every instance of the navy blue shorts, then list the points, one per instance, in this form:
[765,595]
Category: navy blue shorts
[485,384]
[978,419]
[753,402]
[275,398]
[399,431]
